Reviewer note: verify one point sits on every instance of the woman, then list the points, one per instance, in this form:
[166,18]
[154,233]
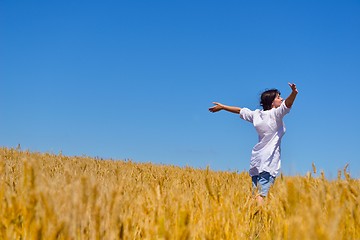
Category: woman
[265,157]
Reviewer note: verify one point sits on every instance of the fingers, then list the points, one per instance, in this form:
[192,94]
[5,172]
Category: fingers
[215,108]
[293,87]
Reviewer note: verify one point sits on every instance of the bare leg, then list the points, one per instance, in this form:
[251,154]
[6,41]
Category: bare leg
[259,200]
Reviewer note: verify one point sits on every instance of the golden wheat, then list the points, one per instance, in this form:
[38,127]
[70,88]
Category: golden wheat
[48,196]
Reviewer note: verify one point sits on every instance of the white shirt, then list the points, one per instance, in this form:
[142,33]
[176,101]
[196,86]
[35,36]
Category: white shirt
[270,127]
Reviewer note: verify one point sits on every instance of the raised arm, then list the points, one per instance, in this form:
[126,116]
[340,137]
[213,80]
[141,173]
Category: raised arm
[219,106]
[291,98]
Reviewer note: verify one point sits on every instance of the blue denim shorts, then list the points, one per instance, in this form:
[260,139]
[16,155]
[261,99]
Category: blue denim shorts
[262,182]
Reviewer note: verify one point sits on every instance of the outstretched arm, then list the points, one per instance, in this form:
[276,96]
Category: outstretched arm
[219,106]
[291,98]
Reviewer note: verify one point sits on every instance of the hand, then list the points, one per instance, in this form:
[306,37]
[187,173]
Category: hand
[293,87]
[216,108]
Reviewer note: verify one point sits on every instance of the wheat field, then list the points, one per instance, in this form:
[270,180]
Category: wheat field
[51,196]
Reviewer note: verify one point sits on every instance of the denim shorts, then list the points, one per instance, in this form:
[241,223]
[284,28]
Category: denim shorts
[262,182]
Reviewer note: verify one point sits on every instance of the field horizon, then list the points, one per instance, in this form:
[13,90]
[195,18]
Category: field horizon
[52,196]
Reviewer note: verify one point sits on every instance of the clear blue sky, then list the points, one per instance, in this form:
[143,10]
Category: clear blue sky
[134,79]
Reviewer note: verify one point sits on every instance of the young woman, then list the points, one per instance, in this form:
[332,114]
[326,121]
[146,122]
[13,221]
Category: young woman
[265,157]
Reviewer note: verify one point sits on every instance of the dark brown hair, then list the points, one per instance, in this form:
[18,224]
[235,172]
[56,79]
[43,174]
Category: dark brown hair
[268,97]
